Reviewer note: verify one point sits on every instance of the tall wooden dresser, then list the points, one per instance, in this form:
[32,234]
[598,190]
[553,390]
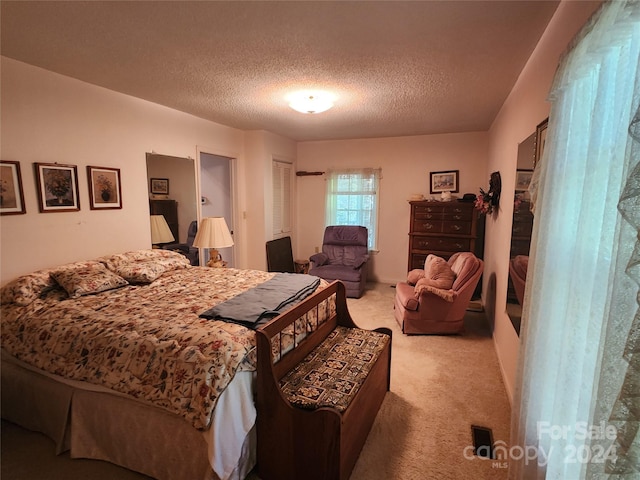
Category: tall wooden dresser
[444,228]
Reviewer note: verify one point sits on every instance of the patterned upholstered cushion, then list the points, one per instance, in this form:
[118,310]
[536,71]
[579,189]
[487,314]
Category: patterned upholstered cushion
[25,289]
[113,262]
[150,270]
[87,280]
[331,375]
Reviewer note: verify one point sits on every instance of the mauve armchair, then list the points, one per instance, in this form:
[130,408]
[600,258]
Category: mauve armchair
[435,310]
[344,257]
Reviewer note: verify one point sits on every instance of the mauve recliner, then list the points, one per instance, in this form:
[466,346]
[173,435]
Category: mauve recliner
[344,257]
[439,311]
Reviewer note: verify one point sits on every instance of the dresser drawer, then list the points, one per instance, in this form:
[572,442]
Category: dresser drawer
[522,229]
[456,216]
[428,209]
[523,214]
[456,227]
[428,216]
[457,209]
[520,246]
[417,259]
[427,226]
[439,243]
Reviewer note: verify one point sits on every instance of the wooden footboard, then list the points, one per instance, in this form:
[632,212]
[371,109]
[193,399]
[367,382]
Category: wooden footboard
[297,442]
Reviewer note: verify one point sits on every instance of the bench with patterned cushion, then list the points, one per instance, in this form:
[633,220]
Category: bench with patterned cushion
[331,375]
[318,397]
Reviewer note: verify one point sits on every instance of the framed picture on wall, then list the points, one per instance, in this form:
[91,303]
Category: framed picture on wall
[57,187]
[446,181]
[159,186]
[105,192]
[11,194]
[523,179]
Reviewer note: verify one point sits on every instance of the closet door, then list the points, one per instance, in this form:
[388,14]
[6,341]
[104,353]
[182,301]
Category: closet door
[282,189]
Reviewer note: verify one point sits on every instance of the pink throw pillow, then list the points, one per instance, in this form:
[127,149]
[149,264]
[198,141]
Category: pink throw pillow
[414,275]
[437,274]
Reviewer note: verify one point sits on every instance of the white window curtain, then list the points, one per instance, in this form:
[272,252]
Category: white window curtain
[352,199]
[577,408]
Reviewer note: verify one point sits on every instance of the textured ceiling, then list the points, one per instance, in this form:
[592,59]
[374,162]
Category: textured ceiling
[397,68]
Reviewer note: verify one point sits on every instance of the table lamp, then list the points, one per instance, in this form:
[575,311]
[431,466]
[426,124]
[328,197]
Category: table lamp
[213,233]
[160,232]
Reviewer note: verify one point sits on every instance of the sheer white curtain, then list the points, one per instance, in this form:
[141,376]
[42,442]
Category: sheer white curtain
[352,199]
[577,363]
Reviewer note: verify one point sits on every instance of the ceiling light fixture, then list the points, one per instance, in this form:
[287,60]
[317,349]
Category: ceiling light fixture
[311,102]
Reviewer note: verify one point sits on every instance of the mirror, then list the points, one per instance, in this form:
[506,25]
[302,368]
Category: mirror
[171,183]
[520,229]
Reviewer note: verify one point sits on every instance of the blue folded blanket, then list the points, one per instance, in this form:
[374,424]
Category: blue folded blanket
[259,304]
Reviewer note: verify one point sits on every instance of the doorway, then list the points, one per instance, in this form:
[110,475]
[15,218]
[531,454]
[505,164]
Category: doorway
[216,196]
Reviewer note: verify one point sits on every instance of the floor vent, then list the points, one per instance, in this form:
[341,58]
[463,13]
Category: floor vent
[482,441]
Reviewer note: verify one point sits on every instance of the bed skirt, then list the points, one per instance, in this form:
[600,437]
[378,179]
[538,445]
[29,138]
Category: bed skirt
[93,422]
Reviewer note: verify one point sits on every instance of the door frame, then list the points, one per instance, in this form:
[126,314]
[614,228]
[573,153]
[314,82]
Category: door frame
[233,200]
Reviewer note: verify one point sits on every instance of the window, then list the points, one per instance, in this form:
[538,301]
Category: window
[352,199]
[281,198]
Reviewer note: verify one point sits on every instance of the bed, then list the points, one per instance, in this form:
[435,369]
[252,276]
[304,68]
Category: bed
[113,360]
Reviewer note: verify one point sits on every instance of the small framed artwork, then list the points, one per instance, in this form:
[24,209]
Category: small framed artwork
[523,179]
[159,186]
[57,187]
[11,193]
[105,192]
[446,181]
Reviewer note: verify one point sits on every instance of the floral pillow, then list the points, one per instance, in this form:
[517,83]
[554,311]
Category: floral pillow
[25,289]
[113,262]
[150,270]
[87,280]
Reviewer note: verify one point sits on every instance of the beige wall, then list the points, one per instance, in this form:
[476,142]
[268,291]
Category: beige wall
[262,147]
[406,163]
[525,107]
[51,118]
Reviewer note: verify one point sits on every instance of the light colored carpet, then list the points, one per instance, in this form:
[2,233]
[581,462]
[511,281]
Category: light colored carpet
[440,386]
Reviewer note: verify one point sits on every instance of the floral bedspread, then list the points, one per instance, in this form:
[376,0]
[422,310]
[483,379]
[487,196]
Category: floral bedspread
[146,341]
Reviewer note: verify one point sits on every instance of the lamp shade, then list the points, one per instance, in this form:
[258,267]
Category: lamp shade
[213,233]
[160,232]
